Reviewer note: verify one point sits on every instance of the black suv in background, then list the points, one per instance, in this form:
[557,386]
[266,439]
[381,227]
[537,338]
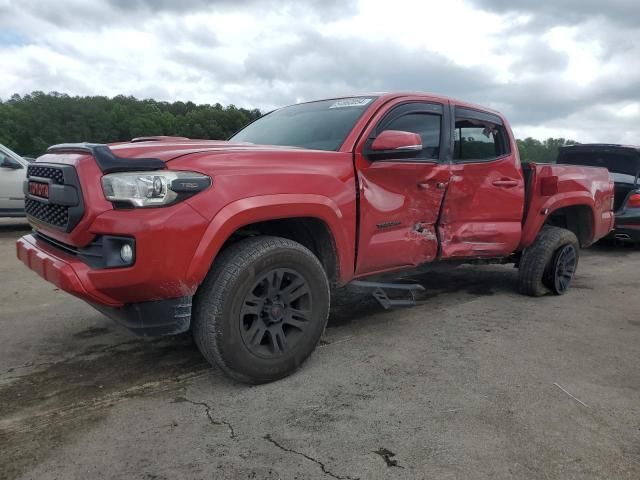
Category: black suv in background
[623,163]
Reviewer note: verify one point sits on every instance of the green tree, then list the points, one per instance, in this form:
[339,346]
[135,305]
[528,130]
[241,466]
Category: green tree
[30,123]
[532,150]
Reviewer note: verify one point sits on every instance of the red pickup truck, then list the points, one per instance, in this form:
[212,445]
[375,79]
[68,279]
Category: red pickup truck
[242,241]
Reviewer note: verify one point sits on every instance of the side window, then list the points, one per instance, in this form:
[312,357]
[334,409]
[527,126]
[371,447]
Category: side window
[6,161]
[427,125]
[479,140]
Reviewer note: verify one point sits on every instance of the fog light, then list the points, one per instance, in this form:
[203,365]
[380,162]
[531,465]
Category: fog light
[126,253]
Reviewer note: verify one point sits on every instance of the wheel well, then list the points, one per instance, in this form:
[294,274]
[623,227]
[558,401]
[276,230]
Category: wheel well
[312,233]
[577,218]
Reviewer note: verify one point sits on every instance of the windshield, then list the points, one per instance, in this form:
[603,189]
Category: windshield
[316,125]
[623,162]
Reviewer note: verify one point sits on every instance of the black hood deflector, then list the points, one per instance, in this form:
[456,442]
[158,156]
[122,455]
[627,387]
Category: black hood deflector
[107,160]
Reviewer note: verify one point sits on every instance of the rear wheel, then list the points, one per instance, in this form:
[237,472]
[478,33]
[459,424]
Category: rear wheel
[550,263]
[262,309]
[560,273]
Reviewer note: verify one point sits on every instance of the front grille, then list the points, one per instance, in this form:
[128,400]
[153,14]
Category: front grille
[64,207]
[53,173]
[57,215]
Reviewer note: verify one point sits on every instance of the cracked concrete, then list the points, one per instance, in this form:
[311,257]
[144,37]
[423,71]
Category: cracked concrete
[322,466]
[209,413]
[461,386]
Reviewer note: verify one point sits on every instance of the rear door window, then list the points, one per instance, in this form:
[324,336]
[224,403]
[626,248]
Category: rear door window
[477,138]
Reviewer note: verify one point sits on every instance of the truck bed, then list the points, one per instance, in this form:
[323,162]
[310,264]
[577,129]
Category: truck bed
[552,187]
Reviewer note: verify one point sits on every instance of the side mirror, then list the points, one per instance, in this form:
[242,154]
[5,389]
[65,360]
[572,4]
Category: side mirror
[10,163]
[396,144]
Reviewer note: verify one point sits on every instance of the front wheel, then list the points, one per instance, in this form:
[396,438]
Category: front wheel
[262,309]
[550,263]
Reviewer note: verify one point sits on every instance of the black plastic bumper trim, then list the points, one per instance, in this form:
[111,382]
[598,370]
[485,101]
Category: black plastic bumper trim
[103,252]
[152,319]
[632,233]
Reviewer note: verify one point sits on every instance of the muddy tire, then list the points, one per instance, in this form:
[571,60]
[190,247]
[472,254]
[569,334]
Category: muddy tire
[550,263]
[262,309]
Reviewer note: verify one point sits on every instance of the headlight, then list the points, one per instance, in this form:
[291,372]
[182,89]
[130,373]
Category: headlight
[152,189]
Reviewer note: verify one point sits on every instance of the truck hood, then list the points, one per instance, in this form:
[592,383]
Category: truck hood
[167,150]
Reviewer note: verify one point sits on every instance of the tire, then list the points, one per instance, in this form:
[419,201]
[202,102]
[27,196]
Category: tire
[250,317]
[541,268]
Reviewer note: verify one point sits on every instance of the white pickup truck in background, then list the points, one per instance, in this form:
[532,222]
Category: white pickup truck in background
[13,171]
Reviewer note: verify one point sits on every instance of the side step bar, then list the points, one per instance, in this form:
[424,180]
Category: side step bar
[380,294]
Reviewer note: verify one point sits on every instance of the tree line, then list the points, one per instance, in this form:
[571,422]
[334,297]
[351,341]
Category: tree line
[546,151]
[30,123]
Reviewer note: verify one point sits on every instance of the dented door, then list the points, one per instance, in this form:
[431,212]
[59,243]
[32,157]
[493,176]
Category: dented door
[399,208]
[483,208]
[400,198]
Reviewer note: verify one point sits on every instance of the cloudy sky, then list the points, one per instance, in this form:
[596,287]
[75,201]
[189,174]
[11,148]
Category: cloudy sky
[566,68]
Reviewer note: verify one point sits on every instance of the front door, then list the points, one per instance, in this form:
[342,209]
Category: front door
[483,209]
[400,197]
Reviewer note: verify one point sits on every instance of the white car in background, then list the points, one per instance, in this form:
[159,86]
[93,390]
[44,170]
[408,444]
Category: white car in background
[13,171]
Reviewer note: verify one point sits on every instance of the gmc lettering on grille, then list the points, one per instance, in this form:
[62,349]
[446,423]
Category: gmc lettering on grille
[39,189]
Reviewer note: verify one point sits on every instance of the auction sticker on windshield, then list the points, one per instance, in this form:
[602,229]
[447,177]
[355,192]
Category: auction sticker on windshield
[351,102]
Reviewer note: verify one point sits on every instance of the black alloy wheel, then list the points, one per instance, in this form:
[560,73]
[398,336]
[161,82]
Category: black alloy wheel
[275,313]
[563,268]
[550,263]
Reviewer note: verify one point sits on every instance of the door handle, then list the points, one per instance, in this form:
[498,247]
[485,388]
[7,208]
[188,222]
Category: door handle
[506,182]
[425,185]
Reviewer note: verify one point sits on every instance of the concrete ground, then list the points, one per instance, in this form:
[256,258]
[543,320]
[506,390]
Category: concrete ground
[475,382]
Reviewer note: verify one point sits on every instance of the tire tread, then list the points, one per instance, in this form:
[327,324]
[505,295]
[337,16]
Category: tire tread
[214,291]
[536,259]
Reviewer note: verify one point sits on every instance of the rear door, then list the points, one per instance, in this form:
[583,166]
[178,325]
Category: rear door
[483,209]
[400,196]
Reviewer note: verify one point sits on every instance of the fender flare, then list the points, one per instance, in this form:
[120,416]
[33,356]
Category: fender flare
[246,211]
[536,219]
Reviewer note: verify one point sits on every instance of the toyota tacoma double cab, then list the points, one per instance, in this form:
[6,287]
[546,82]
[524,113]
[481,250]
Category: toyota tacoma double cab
[242,241]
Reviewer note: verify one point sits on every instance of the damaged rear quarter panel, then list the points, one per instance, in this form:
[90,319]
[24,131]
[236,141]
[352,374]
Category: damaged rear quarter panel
[587,186]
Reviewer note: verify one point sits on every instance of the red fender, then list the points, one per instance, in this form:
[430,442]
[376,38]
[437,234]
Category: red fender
[536,217]
[270,207]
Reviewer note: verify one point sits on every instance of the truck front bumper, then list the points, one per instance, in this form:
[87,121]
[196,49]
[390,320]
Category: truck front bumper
[149,318]
[151,296]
